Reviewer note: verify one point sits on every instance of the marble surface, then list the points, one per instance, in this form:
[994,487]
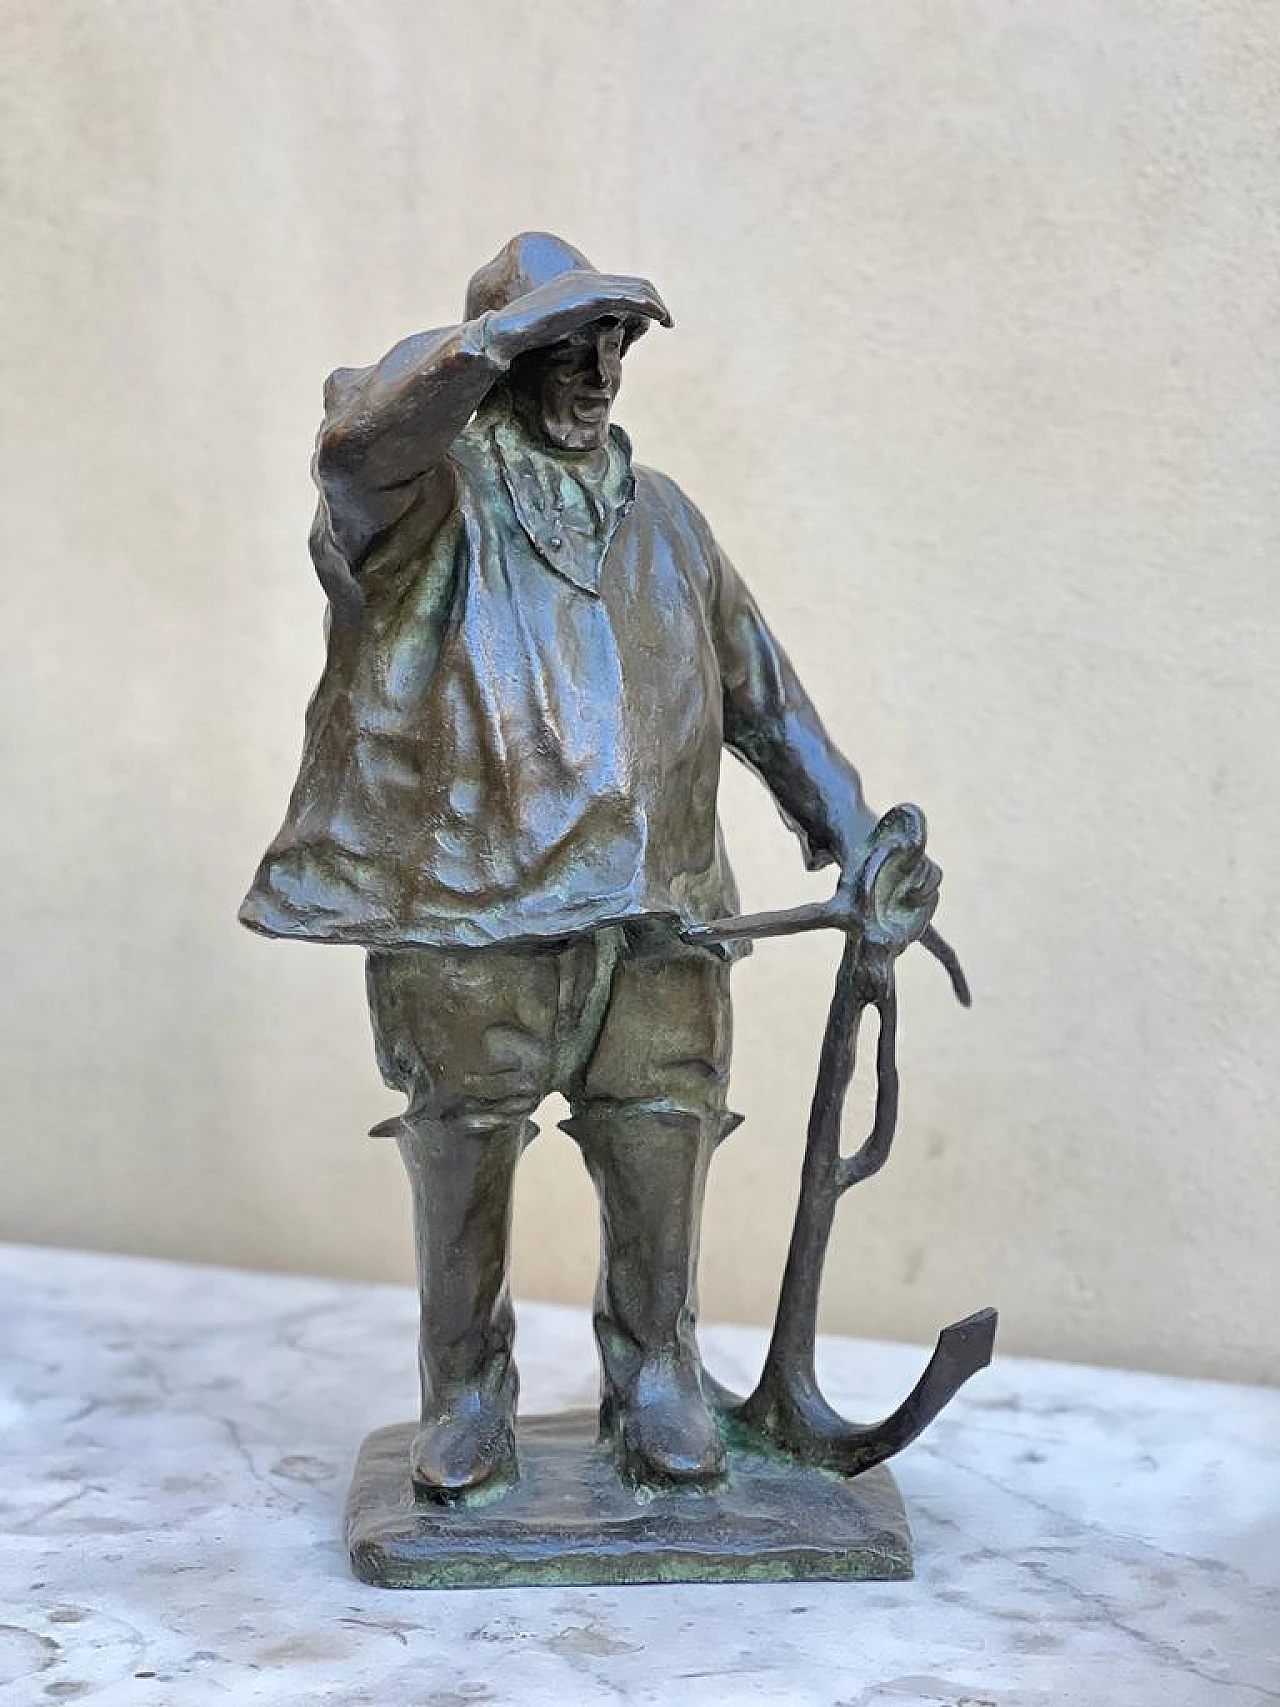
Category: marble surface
[176,1444]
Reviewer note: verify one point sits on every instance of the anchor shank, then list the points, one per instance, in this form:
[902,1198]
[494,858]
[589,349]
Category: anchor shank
[789,1364]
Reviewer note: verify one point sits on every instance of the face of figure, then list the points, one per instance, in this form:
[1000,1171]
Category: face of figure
[568,389]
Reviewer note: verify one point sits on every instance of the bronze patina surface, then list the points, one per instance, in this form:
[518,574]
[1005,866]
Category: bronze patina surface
[569,1520]
[537,655]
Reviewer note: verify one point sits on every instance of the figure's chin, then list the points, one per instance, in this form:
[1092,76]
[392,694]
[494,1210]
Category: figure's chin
[574,434]
[580,435]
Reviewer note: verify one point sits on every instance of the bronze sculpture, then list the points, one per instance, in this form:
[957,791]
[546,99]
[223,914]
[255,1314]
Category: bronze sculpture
[536,655]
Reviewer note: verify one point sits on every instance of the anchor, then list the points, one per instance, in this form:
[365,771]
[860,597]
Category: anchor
[879,916]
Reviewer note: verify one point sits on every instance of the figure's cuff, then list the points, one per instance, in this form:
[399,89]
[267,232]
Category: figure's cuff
[476,340]
[817,855]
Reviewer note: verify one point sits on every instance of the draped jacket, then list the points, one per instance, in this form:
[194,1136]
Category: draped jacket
[518,732]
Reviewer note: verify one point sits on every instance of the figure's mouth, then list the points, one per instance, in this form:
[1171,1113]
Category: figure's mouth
[591,406]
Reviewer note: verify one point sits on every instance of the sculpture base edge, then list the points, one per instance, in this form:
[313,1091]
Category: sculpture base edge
[569,1521]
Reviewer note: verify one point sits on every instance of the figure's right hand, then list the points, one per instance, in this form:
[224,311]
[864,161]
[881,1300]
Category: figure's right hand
[564,305]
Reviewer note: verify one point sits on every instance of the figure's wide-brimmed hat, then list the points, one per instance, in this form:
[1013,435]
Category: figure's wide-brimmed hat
[527,261]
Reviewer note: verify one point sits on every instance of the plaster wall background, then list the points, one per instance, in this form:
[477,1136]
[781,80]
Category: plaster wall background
[977,374]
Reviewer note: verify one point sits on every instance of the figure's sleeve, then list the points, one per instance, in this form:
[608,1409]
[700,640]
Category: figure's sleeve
[770,724]
[382,453]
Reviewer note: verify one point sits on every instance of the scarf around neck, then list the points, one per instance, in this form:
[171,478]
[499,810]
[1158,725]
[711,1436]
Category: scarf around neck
[569,503]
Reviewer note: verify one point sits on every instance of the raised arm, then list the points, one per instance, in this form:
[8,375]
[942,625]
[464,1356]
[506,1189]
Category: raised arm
[771,725]
[384,444]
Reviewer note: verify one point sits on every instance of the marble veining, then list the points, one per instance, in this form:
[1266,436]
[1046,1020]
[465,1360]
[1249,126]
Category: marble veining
[177,1443]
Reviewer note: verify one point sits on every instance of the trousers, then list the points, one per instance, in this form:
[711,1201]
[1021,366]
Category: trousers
[626,1015]
[633,1027]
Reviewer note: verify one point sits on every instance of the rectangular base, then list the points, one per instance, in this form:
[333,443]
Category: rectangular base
[570,1520]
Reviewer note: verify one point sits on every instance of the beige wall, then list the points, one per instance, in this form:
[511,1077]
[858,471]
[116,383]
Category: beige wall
[977,374]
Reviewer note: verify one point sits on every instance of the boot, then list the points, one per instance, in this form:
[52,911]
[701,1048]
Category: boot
[650,1168]
[461,1179]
